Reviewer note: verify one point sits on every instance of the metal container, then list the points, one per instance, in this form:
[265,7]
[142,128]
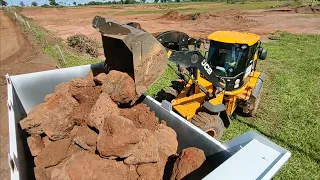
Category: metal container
[249,156]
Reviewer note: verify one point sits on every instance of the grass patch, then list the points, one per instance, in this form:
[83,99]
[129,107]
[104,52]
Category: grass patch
[163,81]
[71,59]
[52,50]
[289,113]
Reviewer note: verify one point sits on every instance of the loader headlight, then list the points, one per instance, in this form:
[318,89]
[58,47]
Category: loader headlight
[194,58]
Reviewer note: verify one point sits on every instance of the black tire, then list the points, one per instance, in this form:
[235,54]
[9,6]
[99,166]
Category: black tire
[211,124]
[171,92]
[253,105]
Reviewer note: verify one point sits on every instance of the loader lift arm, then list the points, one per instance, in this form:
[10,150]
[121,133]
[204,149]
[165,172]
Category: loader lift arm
[195,59]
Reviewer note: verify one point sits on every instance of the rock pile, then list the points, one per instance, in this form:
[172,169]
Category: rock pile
[79,132]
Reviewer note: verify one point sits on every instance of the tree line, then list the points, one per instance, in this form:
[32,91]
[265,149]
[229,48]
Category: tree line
[54,3]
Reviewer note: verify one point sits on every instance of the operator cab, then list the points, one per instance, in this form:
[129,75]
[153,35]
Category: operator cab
[232,56]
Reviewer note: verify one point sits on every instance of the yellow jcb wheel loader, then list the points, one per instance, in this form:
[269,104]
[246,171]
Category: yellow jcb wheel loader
[215,82]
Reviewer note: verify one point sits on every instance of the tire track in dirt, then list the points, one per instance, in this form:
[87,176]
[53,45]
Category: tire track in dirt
[17,56]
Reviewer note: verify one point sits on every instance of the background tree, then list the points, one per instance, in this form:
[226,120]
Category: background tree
[34,3]
[22,4]
[74,3]
[3,3]
[129,1]
[143,1]
[156,1]
[53,3]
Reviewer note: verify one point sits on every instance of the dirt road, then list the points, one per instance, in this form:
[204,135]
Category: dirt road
[17,56]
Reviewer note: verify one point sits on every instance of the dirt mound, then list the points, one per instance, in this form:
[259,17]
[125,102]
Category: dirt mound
[308,9]
[80,132]
[84,44]
[175,16]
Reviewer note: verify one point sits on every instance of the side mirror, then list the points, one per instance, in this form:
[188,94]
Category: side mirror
[262,53]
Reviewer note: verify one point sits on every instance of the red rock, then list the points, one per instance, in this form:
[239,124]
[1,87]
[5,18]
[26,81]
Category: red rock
[63,88]
[103,107]
[56,172]
[163,122]
[40,174]
[91,167]
[189,160]
[120,86]
[56,123]
[84,137]
[132,173]
[53,154]
[89,77]
[152,170]
[35,144]
[118,137]
[167,139]
[87,97]
[48,97]
[81,82]
[66,88]
[141,116]
[46,141]
[162,164]
[32,123]
[148,171]
[146,151]
[51,117]
[100,79]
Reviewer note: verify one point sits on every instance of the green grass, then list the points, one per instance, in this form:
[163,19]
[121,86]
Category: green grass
[71,59]
[289,114]
[52,50]
[163,81]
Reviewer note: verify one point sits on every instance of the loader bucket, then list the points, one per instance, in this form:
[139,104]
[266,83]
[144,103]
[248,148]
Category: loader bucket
[129,49]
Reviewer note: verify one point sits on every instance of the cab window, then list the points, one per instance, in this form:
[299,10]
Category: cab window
[227,59]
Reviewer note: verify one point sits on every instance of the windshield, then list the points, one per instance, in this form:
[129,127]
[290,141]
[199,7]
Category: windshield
[227,59]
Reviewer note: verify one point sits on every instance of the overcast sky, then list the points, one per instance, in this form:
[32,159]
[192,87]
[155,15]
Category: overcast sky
[40,2]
